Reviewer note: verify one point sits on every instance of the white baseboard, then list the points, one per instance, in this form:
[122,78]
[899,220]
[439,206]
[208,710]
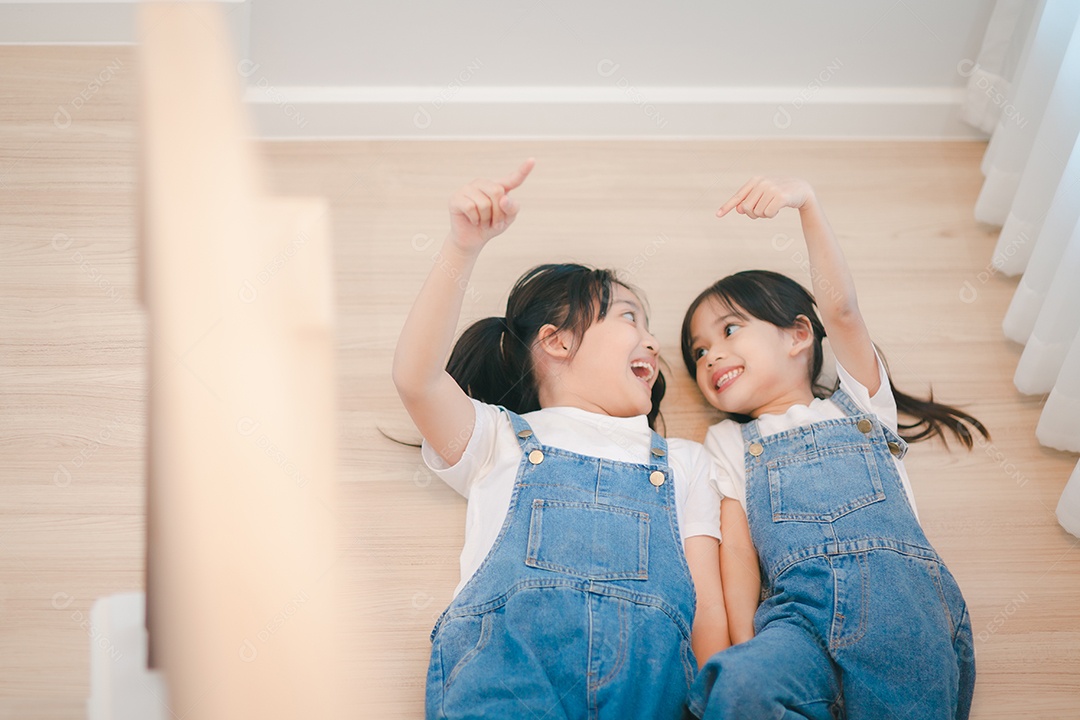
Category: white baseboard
[613,109]
[605,112]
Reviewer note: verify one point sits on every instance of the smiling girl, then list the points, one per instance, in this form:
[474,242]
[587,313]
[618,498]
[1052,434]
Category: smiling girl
[590,573]
[859,617]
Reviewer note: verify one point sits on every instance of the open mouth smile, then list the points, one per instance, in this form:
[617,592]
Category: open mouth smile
[643,370]
[722,379]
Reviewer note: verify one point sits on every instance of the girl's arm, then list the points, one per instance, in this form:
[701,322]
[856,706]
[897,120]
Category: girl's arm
[834,288]
[441,410]
[739,571]
[709,633]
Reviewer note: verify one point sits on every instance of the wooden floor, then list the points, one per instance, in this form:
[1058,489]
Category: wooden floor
[73,349]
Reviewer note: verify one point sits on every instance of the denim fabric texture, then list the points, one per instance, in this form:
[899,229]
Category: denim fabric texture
[860,618]
[584,604]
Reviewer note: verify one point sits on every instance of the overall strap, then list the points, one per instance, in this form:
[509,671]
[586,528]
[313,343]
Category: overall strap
[750,431]
[526,438]
[659,449]
[528,441]
[897,445]
[844,401]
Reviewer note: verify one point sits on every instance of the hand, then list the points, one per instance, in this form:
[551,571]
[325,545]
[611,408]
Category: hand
[483,209]
[764,197]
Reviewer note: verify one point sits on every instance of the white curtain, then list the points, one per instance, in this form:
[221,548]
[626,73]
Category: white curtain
[1025,88]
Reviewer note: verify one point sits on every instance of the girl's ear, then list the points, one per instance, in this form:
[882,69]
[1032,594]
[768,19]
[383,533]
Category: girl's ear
[802,335]
[553,342]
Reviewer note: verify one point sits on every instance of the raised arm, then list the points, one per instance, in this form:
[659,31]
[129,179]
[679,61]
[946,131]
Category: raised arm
[834,288]
[441,410]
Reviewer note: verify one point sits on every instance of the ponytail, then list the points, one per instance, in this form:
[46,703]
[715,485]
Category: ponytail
[492,365]
[933,418]
[492,360]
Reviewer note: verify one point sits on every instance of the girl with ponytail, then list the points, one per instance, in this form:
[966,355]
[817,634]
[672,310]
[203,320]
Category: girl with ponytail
[837,603]
[590,576]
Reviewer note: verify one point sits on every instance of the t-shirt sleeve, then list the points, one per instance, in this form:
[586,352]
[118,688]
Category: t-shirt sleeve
[882,403]
[478,455]
[725,477]
[701,513]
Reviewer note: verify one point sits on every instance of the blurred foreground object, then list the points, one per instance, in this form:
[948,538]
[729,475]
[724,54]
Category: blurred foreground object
[241,595]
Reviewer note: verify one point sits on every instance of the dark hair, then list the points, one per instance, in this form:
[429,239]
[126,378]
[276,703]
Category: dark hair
[779,300]
[492,360]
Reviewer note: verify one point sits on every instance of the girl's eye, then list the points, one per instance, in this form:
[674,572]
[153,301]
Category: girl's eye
[633,317]
[699,353]
[729,328]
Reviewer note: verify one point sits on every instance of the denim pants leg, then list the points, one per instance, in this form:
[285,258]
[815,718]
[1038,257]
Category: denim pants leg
[921,669]
[782,672]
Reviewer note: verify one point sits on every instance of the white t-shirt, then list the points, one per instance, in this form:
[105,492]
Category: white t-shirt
[725,443]
[486,472]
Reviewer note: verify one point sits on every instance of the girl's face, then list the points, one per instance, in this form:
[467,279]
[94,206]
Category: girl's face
[745,365]
[615,366]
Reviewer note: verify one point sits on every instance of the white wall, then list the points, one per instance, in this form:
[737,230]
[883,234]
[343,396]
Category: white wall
[560,42]
[783,68]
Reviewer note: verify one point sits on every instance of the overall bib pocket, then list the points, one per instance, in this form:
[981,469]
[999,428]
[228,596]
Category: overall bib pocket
[589,540]
[823,485]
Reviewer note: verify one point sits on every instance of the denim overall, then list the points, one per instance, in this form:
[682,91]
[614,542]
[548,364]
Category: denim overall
[583,606]
[859,618]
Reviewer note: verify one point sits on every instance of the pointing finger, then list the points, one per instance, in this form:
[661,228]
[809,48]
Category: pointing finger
[518,176]
[736,198]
